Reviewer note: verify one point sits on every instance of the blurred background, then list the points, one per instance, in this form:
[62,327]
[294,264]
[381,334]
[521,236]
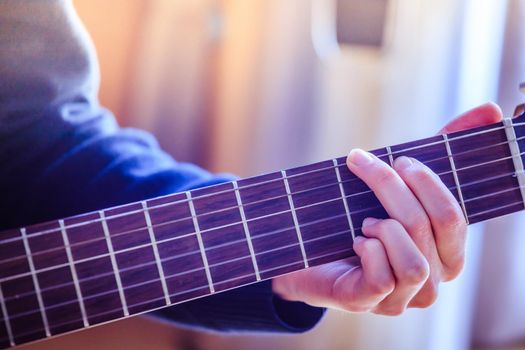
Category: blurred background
[250,86]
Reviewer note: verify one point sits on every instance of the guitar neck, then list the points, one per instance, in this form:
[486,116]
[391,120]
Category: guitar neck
[81,271]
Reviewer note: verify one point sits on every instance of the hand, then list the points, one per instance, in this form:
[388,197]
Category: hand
[401,260]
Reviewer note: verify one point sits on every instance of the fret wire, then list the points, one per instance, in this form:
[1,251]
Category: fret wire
[200,242]
[493,209]
[390,156]
[6,318]
[516,154]
[153,241]
[178,256]
[276,231]
[225,244]
[472,166]
[269,181]
[244,257]
[114,263]
[87,259]
[94,296]
[194,289]
[35,281]
[275,268]
[345,201]
[294,216]
[318,257]
[76,283]
[240,278]
[264,182]
[260,201]
[246,231]
[497,208]
[456,178]
[269,215]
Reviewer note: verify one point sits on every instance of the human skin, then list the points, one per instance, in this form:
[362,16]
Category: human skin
[400,261]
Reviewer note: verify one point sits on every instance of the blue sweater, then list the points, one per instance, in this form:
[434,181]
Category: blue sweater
[62,154]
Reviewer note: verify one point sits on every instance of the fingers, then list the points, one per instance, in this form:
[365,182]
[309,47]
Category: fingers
[396,197]
[409,266]
[315,285]
[447,219]
[403,259]
[479,116]
[403,206]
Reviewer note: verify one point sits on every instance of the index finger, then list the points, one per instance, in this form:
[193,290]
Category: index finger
[398,200]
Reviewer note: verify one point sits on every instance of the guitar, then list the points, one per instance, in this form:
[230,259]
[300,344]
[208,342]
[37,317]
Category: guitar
[81,271]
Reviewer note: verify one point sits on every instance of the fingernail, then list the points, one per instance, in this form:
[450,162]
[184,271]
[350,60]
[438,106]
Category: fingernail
[403,163]
[358,157]
[369,222]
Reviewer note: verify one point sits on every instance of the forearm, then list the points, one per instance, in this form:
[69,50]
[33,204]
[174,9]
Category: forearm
[62,154]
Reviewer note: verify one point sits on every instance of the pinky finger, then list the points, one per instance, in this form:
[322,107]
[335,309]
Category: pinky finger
[363,288]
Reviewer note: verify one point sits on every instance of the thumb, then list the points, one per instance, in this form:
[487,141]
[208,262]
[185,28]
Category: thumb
[485,114]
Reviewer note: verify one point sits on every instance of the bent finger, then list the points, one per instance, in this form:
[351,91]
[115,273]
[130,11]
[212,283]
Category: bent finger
[445,214]
[409,265]
[361,289]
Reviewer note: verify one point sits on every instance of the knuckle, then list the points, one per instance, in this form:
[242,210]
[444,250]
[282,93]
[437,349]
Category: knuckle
[422,175]
[383,286]
[419,224]
[417,273]
[452,218]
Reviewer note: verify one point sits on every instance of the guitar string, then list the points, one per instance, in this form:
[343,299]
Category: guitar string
[128,232]
[400,151]
[120,234]
[511,157]
[171,295]
[222,245]
[312,189]
[217,264]
[205,287]
[192,271]
[186,254]
[239,278]
[115,236]
[18,296]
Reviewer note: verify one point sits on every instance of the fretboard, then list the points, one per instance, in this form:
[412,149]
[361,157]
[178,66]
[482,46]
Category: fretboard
[81,271]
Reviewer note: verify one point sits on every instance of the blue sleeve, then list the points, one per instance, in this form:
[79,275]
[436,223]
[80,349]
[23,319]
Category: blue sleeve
[62,154]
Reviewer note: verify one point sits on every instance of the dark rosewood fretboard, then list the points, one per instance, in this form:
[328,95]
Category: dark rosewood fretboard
[81,271]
